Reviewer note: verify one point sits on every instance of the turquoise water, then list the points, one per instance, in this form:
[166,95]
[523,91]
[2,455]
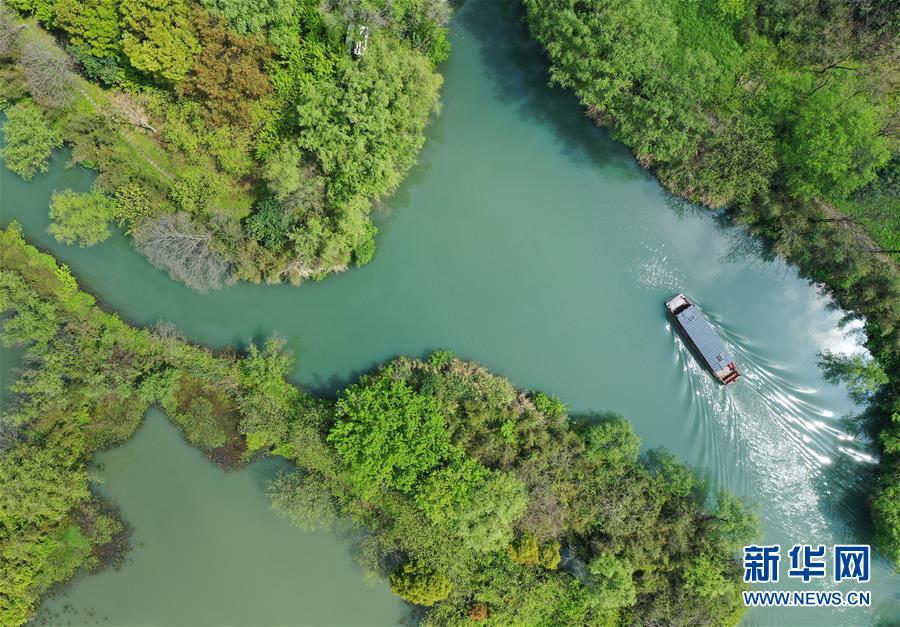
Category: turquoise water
[528,241]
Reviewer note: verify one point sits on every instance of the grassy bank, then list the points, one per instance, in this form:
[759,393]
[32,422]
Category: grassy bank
[467,490]
[786,114]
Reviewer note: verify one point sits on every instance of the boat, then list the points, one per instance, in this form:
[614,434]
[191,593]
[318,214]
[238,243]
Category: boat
[703,338]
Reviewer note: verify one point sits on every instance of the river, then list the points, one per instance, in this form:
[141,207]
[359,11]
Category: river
[526,240]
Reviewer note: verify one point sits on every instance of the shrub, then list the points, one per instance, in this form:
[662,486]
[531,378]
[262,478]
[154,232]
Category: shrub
[419,584]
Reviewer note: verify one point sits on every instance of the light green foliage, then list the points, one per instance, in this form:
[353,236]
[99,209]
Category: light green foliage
[41,9]
[734,525]
[395,91]
[419,584]
[200,424]
[738,164]
[611,584]
[387,434]
[836,144]
[528,552]
[28,140]
[863,376]
[445,492]
[81,219]
[158,37]
[282,20]
[223,95]
[267,400]
[549,405]
[96,24]
[703,577]
[192,191]
[133,205]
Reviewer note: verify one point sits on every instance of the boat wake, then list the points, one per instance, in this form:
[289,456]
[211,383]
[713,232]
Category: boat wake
[782,436]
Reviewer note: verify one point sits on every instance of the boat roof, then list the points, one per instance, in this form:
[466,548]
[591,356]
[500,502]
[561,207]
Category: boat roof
[705,338]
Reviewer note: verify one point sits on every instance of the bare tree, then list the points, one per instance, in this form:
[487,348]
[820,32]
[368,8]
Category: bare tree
[131,111]
[183,248]
[9,33]
[48,72]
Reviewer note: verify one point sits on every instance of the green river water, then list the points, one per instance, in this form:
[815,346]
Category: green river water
[526,240]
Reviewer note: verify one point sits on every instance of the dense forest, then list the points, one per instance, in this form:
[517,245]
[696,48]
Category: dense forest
[786,114]
[479,502]
[234,140]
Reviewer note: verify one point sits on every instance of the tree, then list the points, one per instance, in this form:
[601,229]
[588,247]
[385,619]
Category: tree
[201,425]
[281,19]
[184,248]
[269,224]
[48,73]
[303,500]
[81,219]
[611,584]
[835,145]
[28,140]
[95,24]
[420,584]
[863,376]
[365,125]
[9,33]
[229,73]
[738,162]
[158,37]
[387,434]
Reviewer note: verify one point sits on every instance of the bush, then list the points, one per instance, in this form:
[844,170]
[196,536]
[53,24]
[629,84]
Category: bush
[201,426]
[419,584]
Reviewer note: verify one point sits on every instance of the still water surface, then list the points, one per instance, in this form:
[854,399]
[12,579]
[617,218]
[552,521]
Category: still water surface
[525,240]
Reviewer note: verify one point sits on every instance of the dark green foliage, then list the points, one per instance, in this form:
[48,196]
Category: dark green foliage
[269,224]
[106,70]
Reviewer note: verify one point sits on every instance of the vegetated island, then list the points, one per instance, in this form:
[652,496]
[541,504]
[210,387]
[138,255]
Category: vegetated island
[479,502]
[784,113]
[234,140]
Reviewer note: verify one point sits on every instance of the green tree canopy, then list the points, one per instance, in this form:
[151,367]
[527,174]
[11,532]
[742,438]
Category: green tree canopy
[92,23]
[159,38]
[81,219]
[419,584]
[29,140]
[388,434]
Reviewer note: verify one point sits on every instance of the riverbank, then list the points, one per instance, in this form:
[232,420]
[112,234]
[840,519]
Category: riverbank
[731,107]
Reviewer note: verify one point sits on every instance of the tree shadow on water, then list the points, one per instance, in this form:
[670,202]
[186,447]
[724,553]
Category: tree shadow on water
[518,69]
